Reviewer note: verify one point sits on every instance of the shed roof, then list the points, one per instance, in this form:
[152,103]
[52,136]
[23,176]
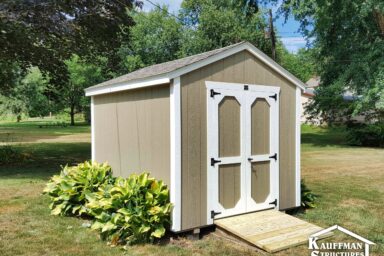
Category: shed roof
[163,73]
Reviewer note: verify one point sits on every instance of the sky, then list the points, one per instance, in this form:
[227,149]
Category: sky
[288,31]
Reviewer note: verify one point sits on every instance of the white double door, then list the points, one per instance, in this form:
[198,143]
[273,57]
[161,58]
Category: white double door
[242,147]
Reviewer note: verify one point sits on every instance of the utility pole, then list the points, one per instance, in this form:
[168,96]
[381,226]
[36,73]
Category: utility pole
[272,35]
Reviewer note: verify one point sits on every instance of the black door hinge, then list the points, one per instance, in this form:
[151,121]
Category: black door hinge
[274,96]
[213,161]
[274,202]
[274,156]
[213,93]
[246,87]
[213,214]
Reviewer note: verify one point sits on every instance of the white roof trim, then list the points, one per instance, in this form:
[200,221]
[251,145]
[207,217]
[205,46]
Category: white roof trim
[127,86]
[166,77]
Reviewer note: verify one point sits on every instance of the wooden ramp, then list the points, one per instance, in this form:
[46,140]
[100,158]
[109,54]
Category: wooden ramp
[269,230]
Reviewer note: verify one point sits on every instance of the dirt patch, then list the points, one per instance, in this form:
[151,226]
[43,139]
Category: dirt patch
[71,138]
[16,192]
[353,202]
[11,209]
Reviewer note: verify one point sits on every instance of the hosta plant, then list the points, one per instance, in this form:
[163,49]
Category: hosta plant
[308,198]
[67,190]
[134,210]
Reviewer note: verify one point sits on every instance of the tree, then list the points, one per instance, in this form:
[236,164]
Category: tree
[155,38]
[349,43]
[44,33]
[28,96]
[214,24]
[300,64]
[81,76]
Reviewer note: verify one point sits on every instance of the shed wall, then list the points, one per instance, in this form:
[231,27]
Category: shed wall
[132,131]
[242,67]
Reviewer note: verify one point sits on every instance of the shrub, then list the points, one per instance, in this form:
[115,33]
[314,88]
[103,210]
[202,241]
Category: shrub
[370,135]
[68,189]
[308,198]
[134,210]
[10,154]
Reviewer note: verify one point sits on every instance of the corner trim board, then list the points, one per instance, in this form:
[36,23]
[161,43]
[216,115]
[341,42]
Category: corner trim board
[93,146]
[298,150]
[175,186]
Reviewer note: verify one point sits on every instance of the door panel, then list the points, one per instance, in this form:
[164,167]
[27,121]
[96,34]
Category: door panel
[262,113]
[229,185]
[229,127]
[260,181]
[260,127]
[242,135]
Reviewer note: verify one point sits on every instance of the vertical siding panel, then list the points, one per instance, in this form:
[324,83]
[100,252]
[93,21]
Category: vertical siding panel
[159,127]
[135,125]
[106,132]
[128,133]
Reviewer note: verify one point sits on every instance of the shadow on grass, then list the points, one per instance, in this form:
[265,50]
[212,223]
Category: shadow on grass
[45,159]
[322,137]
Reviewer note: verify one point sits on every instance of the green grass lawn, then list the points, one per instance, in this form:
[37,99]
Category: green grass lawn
[348,180]
[39,130]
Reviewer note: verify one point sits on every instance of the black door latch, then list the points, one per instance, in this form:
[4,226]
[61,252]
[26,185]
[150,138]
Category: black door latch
[213,93]
[213,161]
[274,202]
[274,96]
[274,156]
[213,214]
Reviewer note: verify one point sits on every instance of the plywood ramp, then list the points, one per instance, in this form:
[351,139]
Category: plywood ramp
[269,230]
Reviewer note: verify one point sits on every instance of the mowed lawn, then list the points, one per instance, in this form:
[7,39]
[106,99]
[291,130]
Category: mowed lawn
[348,180]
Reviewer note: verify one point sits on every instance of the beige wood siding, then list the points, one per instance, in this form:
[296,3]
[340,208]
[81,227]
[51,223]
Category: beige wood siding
[132,131]
[260,127]
[244,68]
[229,185]
[229,127]
[260,181]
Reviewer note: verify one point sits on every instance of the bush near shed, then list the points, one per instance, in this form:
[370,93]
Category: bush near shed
[126,210]
[369,135]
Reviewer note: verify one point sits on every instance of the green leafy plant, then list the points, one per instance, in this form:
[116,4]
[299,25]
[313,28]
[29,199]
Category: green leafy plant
[133,210]
[68,190]
[308,198]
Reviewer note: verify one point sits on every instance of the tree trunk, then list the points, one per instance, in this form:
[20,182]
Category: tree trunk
[72,113]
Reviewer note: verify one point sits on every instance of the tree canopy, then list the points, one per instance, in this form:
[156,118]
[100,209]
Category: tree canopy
[44,33]
[349,42]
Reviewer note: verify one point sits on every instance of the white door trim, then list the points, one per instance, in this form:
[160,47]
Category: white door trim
[93,145]
[274,148]
[238,91]
[213,152]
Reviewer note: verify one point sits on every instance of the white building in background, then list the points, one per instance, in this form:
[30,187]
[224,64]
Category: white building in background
[306,97]
[309,93]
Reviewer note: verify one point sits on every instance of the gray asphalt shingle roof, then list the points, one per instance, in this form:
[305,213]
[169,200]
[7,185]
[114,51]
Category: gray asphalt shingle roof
[162,68]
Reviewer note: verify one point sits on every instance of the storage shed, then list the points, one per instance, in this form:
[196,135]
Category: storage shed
[221,128]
